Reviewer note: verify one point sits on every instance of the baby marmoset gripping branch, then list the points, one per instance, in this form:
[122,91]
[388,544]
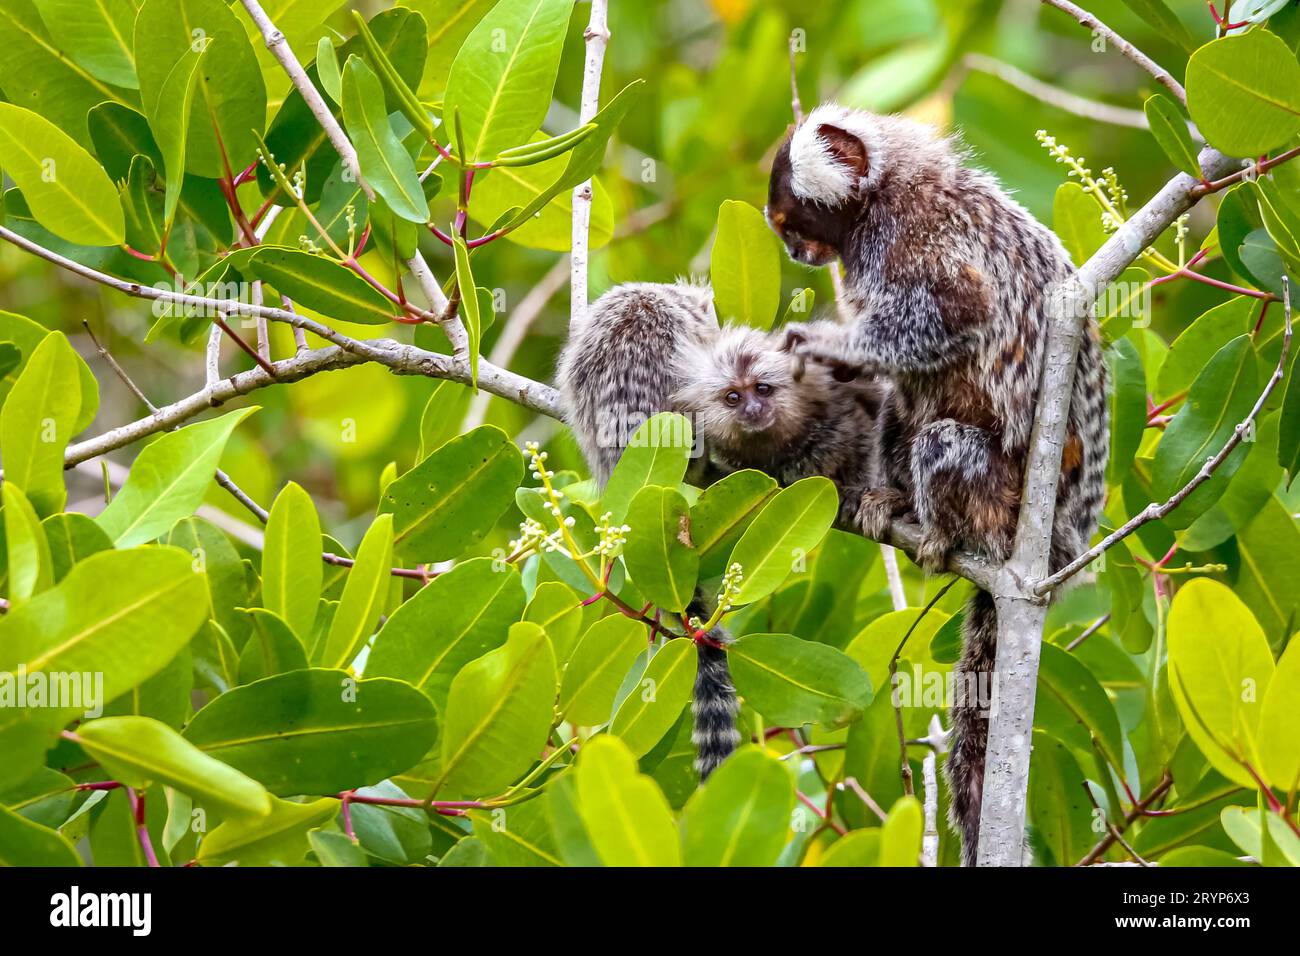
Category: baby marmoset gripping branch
[946,279]
[644,348]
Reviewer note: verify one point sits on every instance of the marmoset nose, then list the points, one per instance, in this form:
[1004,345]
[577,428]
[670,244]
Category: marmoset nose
[752,411]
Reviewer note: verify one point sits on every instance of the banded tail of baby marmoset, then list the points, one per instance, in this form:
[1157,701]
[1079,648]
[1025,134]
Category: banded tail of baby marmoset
[946,283]
[644,348]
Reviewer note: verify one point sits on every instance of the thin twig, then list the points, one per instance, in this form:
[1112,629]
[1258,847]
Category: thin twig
[1054,95]
[1157,510]
[1162,76]
[597,38]
[1096,853]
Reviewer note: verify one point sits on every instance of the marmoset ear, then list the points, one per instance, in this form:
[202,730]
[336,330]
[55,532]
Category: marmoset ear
[831,158]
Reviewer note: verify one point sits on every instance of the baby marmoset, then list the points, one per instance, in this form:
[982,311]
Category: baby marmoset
[644,348]
[946,280]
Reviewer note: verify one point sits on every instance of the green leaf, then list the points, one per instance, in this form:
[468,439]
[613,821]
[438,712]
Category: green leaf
[36,423]
[793,682]
[659,554]
[1244,93]
[1171,134]
[27,335]
[1197,344]
[856,849]
[1058,803]
[170,122]
[656,454]
[82,627]
[1288,445]
[450,22]
[281,838]
[450,500]
[72,537]
[443,413]
[723,512]
[24,843]
[327,69]
[601,661]
[292,570]
[38,71]
[499,714]
[67,191]
[97,35]
[317,731]
[394,86]
[1220,667]
[212,553]
[560,611]
[229,102]
[364,595]
[1164,21]
[469,306]
[789,526]
[31,569]
[138,751]
[502,79]
[1279,722]
[745,267]
[1068,688]
[1128,411]
[518,836]
[1076,218]
[1220,398]
[624,811]
[900,835]
[741,816]
[655,703]
[457,617]
[272,648]
[168,480]
[385,163]
[319,284]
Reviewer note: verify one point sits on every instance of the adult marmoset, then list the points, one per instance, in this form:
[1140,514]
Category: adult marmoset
[644,348]
[946,280]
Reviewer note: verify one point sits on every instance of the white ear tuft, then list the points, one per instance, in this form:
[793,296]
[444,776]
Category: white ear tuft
[818,173]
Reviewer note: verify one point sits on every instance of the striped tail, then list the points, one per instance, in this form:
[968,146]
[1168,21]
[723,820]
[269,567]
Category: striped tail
[972,684]
[714,707]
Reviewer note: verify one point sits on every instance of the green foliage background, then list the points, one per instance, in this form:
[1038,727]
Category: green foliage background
[227,648]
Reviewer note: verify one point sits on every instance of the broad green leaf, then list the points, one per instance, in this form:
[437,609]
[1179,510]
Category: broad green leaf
[789,526]
[97,35]
[385,163]
[36,423]
[319,284]
[1058,803]
[1279,723]
[281,838]
[518,836]
[443,413]
[656,454]
[623,811]
[560,611]
[82,627]
[498,715]
[336,849]
[450,22]
[272,648]
[450,500]
[26,335]
[292,570]
[741,816]
[1220,668]
[655,703]
[327,68]
[317,731]
[1288,446]
[457,617]
[469,306]
[1219,400]
[1128,411]
[24,843]
[398,835]
[1164,21]
[793,682]
[395,88]
[72,537]
[502,78]
[138,751]
[600,663]
[900,835]
[723,512]
[1076,218]
[301,22]
[364,595]
[42,73]
[1244,93]
[745,267]
[1270,559]
[659,553]
[1068,688]
[1197,344]
[168,480]
[67,191]
[228,586]
[1171,133]
[229,103]
[31,568]
[856,849]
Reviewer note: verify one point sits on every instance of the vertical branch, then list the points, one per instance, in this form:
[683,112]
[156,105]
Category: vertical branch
[597,36]
[1021,613]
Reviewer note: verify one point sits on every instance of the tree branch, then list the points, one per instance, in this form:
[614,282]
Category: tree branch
[1161,75]
[597,36]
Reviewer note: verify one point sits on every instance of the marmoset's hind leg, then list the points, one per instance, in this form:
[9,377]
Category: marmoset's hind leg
[966,492]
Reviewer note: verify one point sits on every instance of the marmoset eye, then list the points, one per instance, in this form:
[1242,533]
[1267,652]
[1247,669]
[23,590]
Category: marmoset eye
[763,388]
[732,397]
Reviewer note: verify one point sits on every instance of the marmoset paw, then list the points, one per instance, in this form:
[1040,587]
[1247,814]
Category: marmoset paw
[933,551]
[878,508]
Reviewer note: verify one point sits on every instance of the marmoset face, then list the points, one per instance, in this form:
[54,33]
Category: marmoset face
[799,223]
